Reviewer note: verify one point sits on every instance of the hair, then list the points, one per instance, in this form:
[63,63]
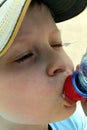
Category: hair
[33,2]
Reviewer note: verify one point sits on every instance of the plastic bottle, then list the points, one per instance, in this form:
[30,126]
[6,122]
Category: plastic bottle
[75,86]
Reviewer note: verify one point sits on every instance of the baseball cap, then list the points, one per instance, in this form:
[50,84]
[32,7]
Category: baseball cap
[12,13]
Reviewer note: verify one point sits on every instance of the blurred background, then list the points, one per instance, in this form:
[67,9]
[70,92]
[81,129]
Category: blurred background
[74,36]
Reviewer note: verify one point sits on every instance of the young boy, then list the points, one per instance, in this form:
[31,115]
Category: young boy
[34,66]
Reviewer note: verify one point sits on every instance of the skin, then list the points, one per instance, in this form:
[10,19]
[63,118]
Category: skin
[84,105]
[31,89]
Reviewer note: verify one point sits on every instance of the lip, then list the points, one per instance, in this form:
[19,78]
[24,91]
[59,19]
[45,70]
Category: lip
[68,102]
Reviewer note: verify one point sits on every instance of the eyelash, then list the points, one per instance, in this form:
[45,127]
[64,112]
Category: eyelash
[29,55]
[56,45]
[23,58]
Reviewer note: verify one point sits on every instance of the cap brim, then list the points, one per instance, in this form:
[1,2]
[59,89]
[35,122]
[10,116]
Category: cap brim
[65,9]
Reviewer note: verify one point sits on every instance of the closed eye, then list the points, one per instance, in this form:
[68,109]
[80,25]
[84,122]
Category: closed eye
[56,45]
[25,57]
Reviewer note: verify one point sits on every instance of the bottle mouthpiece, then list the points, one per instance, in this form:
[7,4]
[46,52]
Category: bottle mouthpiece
[75,86]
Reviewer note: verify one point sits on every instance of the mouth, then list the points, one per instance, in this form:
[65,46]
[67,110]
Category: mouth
[68,102]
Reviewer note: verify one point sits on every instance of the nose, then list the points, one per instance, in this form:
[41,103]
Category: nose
[59,64]
[55,68]
[56,65]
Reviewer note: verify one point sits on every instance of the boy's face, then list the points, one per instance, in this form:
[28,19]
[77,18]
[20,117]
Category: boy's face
[33,71]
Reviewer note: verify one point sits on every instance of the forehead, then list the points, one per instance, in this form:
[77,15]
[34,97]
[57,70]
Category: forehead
[37,20]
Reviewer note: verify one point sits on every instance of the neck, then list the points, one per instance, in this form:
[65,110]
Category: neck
[6,125]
